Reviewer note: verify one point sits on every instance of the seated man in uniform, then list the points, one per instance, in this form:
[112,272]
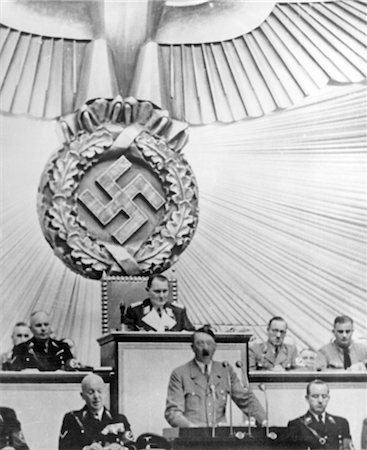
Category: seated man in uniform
[343,352]
[156,313]
[21,333]
[197,391]
[273,354]
[318,429]
[41,351]
[11,436]
[93,425]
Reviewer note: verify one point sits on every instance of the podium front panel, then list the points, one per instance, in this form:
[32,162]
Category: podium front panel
[143,363]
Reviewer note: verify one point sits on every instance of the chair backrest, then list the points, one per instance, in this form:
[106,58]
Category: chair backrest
[122,291]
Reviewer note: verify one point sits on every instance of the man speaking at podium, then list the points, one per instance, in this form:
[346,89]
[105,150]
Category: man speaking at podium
[197,391]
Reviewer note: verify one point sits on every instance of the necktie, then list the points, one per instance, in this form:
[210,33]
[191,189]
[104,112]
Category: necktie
[347,361]
[159,312]
[206,371]
[320,418]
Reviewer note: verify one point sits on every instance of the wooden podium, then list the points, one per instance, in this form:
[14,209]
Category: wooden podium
[228,439]
[143,362]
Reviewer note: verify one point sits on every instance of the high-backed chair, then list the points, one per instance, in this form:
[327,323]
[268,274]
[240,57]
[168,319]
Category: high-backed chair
[119,292]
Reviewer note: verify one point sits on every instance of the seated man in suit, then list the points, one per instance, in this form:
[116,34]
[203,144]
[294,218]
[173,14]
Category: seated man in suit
[317,429]
[41,351]
[93,425]
[11,436]
[343,352]
[198,390]
[156,313]
[21,333]
[274,354]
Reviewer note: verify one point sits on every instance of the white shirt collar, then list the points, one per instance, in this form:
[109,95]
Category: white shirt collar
[316,416]
[202,366]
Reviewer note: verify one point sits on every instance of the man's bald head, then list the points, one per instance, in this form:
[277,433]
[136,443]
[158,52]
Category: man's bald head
[40,325]
[91,379]
[93,389]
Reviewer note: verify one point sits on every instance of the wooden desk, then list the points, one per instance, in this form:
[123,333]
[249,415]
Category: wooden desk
[144,361]
[41,399]
[240,438]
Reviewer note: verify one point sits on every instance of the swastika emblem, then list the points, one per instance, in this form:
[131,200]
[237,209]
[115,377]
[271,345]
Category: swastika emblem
[122,199]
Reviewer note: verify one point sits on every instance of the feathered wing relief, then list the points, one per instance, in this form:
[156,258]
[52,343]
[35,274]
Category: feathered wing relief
[289,52]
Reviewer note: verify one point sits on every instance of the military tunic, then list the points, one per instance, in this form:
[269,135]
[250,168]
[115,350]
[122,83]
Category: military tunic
[194,399]
[306,432]
[34,354]
[262,356]
[10,430]
[331,356]
[80,428]
[142,316]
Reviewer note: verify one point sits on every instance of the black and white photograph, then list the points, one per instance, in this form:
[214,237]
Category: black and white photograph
[183,233]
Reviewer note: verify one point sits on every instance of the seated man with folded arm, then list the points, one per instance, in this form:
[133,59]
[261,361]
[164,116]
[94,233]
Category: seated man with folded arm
[94,426]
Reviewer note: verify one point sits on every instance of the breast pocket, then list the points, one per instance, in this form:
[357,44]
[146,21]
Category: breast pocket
[192,401]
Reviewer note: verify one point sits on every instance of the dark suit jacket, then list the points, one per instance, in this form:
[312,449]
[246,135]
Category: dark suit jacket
[334,430]
[31,354]
[10,430]
[80,428]
[134,317]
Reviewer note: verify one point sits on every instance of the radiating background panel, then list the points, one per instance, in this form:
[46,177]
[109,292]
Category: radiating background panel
[282,226]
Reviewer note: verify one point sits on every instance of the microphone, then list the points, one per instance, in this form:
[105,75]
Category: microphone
[225,364]
[212,389]
[246,385]
[122,312]
[263,389]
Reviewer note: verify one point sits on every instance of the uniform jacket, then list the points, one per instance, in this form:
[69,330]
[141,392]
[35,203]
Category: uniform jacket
[138,317]
[192,399]
[80,428]
[262,356]
[10,430]
[332,356]
[334,434]
[32,354]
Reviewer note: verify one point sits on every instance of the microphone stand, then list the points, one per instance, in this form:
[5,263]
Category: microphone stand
[225,364]
[263,389]
[246,385]
[212,388]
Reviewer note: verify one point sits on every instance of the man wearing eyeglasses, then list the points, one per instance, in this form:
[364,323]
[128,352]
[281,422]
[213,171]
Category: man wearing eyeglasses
[21,333]
[317,429]
[274,354]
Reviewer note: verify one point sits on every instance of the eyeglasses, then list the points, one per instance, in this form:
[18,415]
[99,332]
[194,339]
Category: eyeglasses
[275,331]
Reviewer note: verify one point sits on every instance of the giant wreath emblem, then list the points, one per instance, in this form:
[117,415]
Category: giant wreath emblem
[119,133]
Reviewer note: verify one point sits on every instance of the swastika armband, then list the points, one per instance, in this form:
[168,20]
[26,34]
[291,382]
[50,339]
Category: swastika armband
[119,197]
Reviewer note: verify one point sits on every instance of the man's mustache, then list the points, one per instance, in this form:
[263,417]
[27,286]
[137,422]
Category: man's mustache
[205,352]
